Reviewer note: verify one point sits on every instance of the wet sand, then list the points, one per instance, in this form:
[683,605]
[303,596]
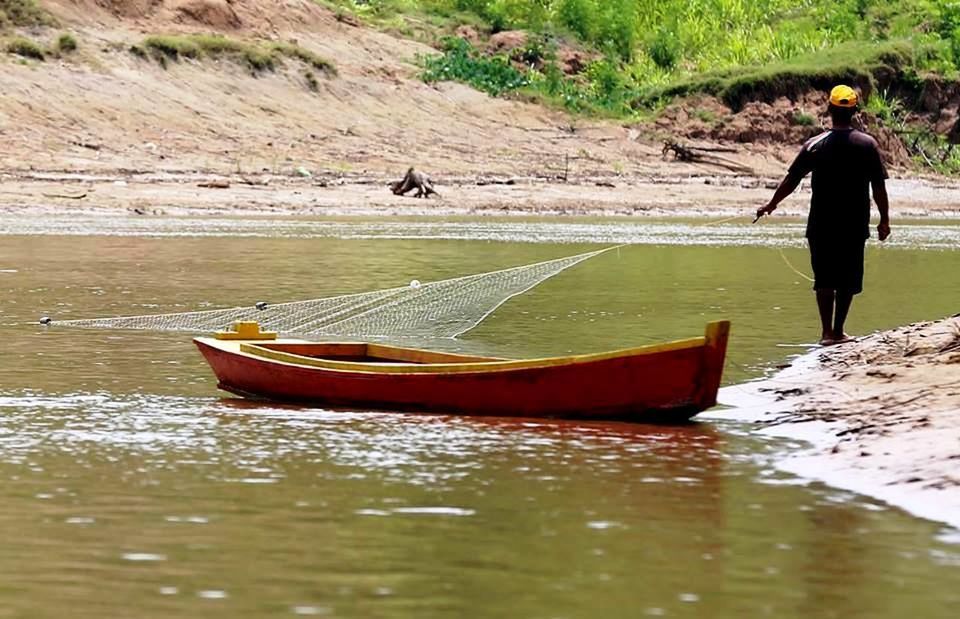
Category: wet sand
[882,415]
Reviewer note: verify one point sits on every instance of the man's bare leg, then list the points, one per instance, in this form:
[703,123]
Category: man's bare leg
[825,300]
[844,299]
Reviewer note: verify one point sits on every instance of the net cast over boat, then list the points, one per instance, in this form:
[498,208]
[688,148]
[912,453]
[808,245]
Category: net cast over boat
[442,309]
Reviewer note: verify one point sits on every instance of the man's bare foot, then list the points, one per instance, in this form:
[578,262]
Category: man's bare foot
[826,339]
[833,340]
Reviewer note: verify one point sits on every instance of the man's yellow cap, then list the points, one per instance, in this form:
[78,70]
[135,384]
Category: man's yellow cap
[843,96]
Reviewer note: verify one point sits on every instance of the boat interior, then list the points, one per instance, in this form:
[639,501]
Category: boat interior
[367,353]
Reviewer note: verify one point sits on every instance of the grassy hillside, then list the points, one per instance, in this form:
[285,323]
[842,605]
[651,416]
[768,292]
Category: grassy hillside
[647,50]
[638,55]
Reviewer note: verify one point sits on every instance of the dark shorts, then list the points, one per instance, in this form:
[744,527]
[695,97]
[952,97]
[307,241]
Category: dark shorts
[837,265]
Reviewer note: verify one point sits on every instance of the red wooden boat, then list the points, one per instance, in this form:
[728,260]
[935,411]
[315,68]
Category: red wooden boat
[663,382]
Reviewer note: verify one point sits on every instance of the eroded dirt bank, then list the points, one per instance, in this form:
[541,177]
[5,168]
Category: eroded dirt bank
[883,413]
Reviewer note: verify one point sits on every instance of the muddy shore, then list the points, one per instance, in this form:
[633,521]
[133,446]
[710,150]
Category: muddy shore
[882,416]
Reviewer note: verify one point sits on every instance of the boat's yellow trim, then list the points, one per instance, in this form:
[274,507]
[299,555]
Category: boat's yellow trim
[245,330]
[453,368]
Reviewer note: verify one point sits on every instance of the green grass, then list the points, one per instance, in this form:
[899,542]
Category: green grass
[256,56]
[866,66]
[706,116]
[26,48]
[462,63]
[65,44]
[291,50]
[660,49]
[23,14]
[311,80]
[886,107]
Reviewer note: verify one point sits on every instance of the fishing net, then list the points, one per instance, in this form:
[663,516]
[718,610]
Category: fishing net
[441,309]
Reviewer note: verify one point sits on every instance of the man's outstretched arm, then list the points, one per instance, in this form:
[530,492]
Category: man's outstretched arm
[883,205]
[787,186]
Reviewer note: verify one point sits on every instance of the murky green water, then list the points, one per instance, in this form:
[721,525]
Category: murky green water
[130,487]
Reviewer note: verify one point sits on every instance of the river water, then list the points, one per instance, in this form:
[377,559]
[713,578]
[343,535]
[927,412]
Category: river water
[131,487]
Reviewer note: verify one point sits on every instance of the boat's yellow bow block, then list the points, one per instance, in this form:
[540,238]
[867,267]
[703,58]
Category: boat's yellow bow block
[245,331]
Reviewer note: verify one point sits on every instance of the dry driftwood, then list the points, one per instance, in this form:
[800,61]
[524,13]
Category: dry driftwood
[414,179]
[68,196]
[704,154]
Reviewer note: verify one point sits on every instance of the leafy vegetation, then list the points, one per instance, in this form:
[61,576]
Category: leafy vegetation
[664,48]
[258,57]
[461,62]
[66,44]
[641,54]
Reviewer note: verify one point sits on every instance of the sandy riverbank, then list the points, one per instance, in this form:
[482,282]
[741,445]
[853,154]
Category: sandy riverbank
[882,415]
[165,193]
[109,132]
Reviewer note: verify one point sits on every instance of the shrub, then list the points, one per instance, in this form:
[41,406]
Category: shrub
[507,14]
[606,80]
[890,110]
[66,44]
[23,14]
[803,119]
[259,59]
[311,80]
[664,50]
[25,47]
[172,47]
[579,17]
[706,116]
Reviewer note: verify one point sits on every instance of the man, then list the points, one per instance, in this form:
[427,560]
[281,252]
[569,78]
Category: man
[845,163]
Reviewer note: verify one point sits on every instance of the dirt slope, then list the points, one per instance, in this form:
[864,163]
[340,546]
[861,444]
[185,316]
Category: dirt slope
[106,110]
[103,129]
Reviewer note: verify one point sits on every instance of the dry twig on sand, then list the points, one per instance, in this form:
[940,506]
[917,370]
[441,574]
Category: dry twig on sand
[68,196]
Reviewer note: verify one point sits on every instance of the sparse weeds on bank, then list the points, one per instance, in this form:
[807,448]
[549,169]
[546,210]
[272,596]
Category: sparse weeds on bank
[304,55]
[24,14]
[21,46]
[889,109]
[24,47]
[66,44]
[311,80]
[256,56]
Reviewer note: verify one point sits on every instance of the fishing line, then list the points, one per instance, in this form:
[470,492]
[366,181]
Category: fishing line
[793,268]
[722,221]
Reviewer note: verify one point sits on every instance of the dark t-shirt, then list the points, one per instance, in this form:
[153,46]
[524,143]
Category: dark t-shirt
[844,162]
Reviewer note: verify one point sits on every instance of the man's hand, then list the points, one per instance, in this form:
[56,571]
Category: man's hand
[764,210]
[883,229]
